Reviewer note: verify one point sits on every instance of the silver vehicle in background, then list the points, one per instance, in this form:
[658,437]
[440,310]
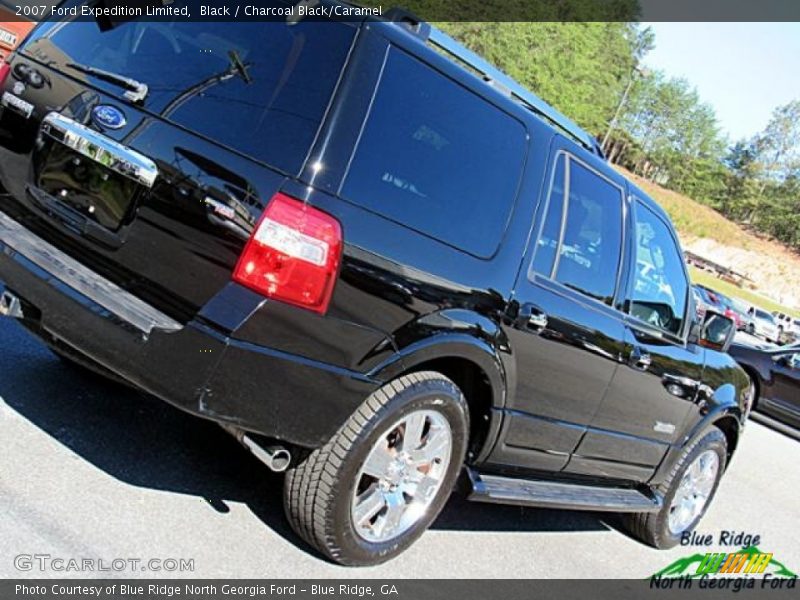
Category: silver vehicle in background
[763,325]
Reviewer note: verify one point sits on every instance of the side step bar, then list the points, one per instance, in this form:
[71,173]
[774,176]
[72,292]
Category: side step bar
[550,494]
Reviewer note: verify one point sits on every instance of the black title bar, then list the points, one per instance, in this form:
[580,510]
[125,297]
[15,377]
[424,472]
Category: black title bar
[425,10]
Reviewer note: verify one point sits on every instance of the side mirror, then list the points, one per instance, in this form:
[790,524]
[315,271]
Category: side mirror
[717,332]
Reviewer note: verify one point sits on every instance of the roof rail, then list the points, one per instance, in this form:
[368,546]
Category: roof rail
[495,77]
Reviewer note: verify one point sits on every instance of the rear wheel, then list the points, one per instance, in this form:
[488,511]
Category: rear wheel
[378,484]
[687,493]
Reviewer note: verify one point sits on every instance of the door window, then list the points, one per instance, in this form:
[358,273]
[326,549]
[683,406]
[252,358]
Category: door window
[547,246]
[587,255]
[660,287]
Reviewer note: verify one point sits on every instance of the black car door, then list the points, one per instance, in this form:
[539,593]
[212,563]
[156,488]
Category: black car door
[785,393]
[567,337]
[652,394]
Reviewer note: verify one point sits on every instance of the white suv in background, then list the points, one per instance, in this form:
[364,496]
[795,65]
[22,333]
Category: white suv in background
[763,325]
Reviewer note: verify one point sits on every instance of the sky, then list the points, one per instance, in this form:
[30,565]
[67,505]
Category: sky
[744,70]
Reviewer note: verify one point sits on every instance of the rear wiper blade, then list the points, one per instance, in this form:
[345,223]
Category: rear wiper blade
[239,66]
[136,91]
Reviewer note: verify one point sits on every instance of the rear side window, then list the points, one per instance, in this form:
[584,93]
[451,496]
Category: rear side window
[260,88]
[660,287]
[437,158]
[590,234]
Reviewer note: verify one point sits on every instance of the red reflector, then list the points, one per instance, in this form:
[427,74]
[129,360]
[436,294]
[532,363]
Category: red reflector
[293,255]
[5,69]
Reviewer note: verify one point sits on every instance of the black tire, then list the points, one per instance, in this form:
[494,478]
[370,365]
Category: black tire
[653,528]
[318,491]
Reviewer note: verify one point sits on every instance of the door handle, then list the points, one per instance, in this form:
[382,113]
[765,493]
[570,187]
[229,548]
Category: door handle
[531,317]
[640,359]
[97,147]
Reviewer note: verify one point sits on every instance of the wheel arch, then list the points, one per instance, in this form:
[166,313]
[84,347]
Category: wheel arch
[474,365]
[755,377]
[729,425]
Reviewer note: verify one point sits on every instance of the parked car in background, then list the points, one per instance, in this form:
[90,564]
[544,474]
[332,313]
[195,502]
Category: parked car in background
[788,327]
[763,325]
[775,377]
[705,300]
[732,312]
[724,305]
[741,308]
[12,29]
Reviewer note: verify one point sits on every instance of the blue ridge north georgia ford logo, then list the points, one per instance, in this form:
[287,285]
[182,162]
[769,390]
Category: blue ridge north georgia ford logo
[109,117]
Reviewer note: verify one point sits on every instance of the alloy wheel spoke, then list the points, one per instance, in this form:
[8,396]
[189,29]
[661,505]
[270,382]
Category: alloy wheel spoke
[369,505]
[425,489]
[415,426]
[396,508]
[436,445]
[378,461]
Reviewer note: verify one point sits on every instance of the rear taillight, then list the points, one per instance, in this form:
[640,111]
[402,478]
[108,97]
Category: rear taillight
[293,255]
[5,69]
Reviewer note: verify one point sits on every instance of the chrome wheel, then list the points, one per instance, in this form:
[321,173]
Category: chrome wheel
[401,476]
[693,492]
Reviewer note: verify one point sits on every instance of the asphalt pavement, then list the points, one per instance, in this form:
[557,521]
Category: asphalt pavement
[91,470]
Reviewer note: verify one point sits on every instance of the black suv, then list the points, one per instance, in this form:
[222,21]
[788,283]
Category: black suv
[371,257]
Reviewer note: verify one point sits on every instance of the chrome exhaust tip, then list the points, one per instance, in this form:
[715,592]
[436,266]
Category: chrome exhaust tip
[276,457]
[10,306]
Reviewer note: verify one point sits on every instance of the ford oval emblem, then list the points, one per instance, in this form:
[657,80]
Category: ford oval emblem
[108,117]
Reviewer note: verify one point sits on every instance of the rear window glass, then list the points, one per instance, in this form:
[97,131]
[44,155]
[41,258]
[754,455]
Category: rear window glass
[261,88]
[437,158]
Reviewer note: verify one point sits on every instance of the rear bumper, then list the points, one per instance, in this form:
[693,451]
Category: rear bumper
[198,366]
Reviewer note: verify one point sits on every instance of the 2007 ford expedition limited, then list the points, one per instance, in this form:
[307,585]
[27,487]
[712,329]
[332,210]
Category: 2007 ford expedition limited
[374,259]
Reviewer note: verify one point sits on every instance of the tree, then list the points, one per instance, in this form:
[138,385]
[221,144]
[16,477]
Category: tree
[778,146]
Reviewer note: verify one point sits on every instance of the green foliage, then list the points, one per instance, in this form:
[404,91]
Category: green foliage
[580,68]
[662,132]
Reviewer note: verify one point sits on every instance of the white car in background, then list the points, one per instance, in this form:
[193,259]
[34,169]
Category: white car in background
[763,325]
[788,327]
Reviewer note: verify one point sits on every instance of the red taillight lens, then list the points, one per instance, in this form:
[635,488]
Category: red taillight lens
[293,255]
[5,69]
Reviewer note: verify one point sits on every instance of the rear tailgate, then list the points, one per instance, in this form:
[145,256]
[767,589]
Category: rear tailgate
[148,151]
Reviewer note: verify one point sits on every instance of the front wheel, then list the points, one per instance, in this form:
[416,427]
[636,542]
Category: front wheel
[378,484]
[687,493]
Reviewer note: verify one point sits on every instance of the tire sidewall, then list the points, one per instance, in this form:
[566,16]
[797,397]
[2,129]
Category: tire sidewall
[438,395]
[714,440]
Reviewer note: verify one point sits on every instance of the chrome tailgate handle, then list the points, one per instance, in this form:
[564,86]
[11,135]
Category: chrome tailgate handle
[97,147]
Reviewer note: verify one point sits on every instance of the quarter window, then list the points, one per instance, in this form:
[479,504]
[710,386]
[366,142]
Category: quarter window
[660,287]
[437,158]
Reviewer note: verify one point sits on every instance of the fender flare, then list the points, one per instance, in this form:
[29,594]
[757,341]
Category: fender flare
[708,423]
[450,345]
